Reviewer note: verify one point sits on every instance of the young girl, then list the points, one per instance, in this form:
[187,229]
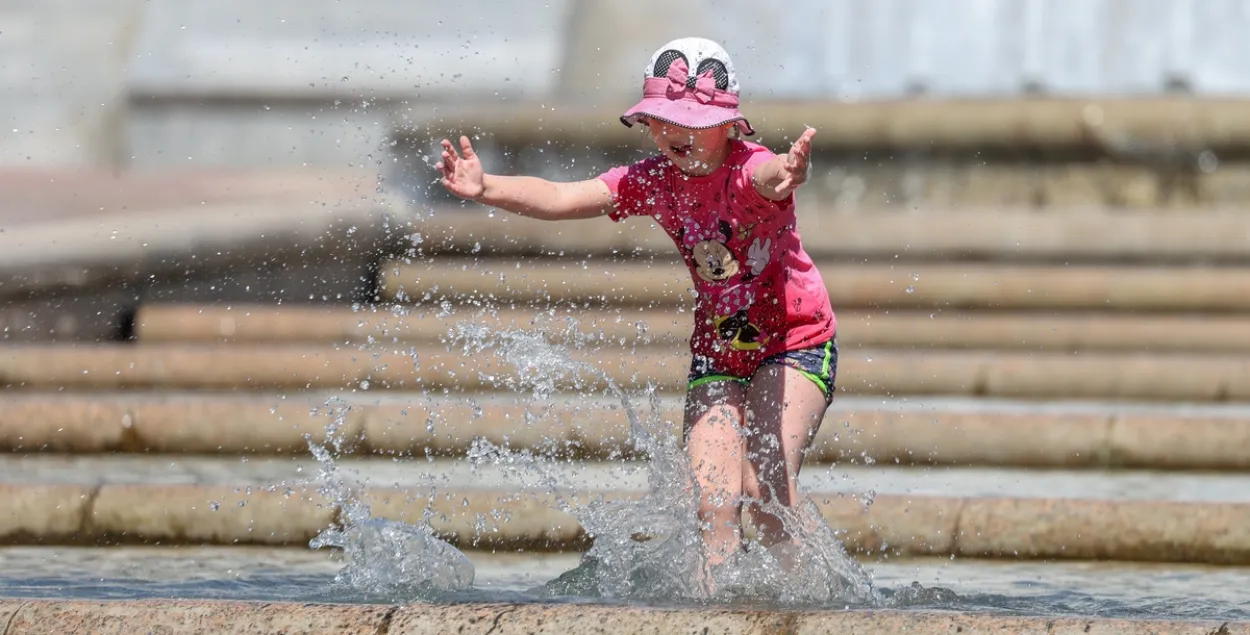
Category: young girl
[763,347]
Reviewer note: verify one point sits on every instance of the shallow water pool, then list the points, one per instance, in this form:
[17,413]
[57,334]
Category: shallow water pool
[1083,589]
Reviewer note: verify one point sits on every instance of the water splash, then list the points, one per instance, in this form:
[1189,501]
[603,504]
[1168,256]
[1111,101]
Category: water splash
[649,547]
[646,548]
[541,367]
[384,557]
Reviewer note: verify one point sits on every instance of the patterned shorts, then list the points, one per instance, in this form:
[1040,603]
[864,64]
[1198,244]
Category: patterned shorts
[818,363]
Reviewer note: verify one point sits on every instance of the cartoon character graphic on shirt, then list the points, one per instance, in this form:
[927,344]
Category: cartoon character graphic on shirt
[712,258]
[715,263]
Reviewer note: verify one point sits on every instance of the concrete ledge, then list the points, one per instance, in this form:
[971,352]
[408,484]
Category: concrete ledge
[185,616]
[1079,529]
[532,519]
[903,286]
[107,514]
[267,515]
[1141,439]
[1076,235]
[257,618]
[85,424]
[125,367]
[857,328]
[927,179]
[597,428]
[82,249]
[44,513]
[1116,127]
[155,224]
[1013,374]
[866,371]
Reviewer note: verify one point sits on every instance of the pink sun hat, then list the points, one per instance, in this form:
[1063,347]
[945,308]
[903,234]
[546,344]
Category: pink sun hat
[690,82]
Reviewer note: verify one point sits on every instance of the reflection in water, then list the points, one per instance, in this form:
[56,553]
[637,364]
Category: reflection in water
[1090,589]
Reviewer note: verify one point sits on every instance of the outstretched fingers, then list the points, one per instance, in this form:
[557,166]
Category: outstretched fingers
[447,165]
[802,149]
[466,147]
[797,162]
[451,158]
[804,142]
[461,169]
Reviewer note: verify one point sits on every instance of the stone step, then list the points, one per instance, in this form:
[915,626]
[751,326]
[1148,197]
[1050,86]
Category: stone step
[1105,151]
[1064,517]
[856,431]
[629,327]
[919,285]
[320,618]
[1080,234]
[81,249]
[1121,126]
[1012,374]
[43,196]
[84,230]
[503,472]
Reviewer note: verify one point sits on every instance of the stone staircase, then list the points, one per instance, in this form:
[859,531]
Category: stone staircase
[1012,384]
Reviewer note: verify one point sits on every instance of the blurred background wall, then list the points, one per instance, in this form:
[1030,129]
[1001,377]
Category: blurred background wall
[183,78]
[146,84]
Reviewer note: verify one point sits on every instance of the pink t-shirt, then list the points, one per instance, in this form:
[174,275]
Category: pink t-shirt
[758,292]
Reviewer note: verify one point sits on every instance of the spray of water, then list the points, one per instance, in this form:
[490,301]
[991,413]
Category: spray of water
[649,548]
[383,557]
[646,548]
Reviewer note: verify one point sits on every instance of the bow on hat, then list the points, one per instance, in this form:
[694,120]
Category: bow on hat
[703,86]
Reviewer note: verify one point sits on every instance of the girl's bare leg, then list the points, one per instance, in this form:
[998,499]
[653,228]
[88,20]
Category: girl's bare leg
[713,424]
[783,412]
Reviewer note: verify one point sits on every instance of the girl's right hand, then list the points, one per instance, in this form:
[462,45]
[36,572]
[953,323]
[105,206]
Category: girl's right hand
[462,175]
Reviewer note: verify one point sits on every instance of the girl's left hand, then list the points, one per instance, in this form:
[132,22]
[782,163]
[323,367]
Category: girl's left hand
[796,168]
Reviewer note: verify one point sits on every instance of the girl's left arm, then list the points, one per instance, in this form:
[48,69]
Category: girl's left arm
[784,173]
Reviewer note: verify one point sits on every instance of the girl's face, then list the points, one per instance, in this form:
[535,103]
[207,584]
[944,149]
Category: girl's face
[692,151]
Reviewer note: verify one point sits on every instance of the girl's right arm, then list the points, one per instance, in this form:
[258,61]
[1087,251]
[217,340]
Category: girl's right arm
[525,195]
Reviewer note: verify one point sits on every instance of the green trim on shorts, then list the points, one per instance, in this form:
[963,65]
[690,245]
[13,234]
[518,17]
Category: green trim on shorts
[711,378]
[828,357]
[824,388]
[821,380]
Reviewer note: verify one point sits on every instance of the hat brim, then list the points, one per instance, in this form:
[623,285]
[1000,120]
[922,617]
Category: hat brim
[686,113]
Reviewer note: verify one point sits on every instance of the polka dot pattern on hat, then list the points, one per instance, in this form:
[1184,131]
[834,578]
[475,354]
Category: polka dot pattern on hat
[701,54]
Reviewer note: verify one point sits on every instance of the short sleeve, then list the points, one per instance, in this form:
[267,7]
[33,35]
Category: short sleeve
[743,181]
[628,184]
